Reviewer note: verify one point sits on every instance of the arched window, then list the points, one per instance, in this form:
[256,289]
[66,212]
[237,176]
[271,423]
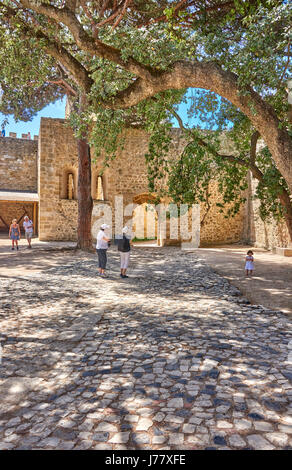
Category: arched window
[68,184]
[99,189]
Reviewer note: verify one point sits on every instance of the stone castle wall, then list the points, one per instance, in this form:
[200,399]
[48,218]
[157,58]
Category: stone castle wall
[218,229]
[26,165]
[18,172]
[263,234]
[57,154]
[18,164]
[271,234]
[126,176]
[14,210]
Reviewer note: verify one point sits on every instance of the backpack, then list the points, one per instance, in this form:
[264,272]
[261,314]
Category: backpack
[124,244]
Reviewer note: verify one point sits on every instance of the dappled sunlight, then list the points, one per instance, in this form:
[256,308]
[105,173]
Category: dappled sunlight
[271,283]
[121,363]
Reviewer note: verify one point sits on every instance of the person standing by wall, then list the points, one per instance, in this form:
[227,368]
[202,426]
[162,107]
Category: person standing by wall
[28,228]
[14,234]
[124,248]
[102,244]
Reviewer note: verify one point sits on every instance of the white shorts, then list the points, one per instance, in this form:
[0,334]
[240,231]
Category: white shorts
[125,257]
[28,235]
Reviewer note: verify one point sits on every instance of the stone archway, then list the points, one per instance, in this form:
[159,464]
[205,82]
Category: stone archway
[145,218]
[154,221]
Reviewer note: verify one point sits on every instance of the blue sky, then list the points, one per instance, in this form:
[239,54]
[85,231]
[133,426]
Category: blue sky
[57,110]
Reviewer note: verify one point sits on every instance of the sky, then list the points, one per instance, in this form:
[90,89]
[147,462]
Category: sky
[57,110]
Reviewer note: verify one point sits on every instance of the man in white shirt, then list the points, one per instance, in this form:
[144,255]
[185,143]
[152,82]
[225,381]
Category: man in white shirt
[101,247]
[28,228]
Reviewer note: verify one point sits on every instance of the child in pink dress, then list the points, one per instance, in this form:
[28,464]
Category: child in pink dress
[249,263]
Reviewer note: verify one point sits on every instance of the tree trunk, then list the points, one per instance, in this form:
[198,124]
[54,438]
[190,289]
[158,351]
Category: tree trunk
[283,196]
[287,205]
[84,241]
[85,204]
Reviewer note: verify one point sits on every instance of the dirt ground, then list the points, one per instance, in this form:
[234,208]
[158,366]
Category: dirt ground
[271,285]
[169,358]
[42,256]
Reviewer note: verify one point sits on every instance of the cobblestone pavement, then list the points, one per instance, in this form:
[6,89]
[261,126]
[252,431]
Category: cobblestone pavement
[171,358]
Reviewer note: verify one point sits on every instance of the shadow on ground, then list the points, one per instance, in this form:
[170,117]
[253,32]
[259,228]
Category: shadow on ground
[77,346]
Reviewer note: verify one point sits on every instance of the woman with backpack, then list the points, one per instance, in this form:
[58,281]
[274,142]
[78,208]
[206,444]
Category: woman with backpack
[124,248]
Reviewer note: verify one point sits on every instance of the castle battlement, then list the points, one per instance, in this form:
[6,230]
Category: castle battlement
[13,135]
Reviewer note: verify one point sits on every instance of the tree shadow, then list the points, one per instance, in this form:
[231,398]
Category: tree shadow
[132,360]
[271,282]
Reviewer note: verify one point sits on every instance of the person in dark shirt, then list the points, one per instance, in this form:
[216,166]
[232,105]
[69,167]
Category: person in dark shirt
[124,248]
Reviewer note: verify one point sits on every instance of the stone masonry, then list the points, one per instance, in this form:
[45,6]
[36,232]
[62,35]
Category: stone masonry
[126,176]
[18,164]
[50,167]
[18,172]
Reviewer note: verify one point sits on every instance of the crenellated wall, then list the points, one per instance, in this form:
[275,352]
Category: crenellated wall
[18,173]
[18,164]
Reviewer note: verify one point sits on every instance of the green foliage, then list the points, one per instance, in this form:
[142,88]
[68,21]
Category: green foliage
[250,39]
[152,115]
[191,175]
[25,69]
[189,178]
[268,189]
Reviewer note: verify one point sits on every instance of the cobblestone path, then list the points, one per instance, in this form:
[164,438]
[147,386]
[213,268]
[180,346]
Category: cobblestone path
[171,358]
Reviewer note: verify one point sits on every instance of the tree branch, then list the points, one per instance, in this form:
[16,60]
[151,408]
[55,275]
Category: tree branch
[203,143]
[210,76]
[78,72]
[86,42]
[60,54]
[231,158]
[65,85]
[253,147]
[282,193]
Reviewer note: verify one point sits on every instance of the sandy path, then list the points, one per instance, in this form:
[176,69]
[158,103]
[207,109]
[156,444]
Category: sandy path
[271,285]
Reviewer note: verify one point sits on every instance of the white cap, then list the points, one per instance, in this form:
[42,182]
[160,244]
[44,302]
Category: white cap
[125,229]
[104,226]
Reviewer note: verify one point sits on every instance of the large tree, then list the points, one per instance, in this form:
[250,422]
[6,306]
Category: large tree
[41,61]
[35,71]
[118,53]
[223,148]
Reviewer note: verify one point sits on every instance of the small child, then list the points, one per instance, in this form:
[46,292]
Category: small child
[14,233]
[249,266]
